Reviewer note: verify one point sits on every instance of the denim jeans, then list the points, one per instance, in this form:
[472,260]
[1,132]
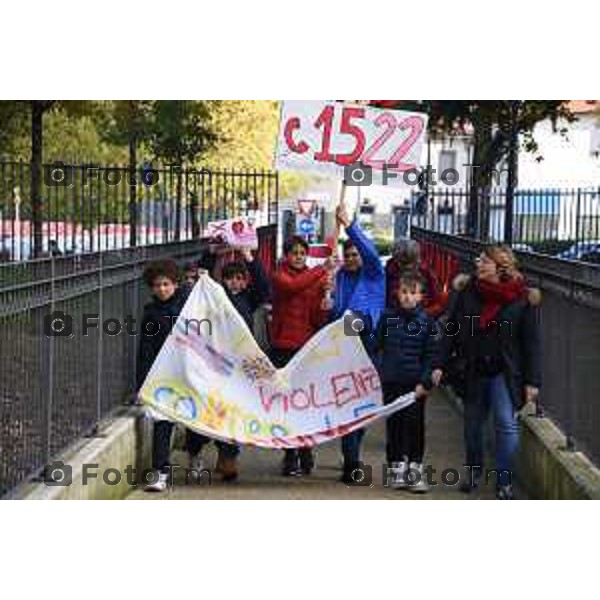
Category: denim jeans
[351,447]
[494,396]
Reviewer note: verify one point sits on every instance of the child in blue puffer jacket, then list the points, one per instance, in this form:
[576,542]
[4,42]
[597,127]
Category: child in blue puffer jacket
[406,345]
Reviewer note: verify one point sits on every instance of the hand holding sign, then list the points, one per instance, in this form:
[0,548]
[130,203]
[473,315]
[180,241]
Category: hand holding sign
[341,215]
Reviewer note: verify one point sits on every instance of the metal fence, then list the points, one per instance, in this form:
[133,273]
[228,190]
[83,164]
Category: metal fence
[90,208]
[56,390]
[570,321]
[545,220]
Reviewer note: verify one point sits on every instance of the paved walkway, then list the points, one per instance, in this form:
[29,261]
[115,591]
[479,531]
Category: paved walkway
[260,479]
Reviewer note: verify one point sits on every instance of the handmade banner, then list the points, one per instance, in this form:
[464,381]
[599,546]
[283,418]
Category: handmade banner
[212,377]
[238,232]
[327,136]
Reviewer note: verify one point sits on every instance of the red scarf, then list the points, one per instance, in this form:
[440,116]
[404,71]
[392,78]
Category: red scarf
[496,295]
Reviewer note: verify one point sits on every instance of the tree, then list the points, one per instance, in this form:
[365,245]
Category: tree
[129,123]
[496,124]
[247,131]
[25,118]
[180,132]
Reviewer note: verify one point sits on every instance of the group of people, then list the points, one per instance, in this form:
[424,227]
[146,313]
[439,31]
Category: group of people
[463,340]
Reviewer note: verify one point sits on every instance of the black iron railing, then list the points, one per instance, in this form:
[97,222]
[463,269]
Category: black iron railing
[90,208]
[549,221]
[57,388]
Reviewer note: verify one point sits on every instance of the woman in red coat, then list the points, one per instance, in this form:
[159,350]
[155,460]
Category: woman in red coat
[299,310]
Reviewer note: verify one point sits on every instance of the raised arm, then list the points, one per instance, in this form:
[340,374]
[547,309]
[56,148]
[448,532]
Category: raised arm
[366,248]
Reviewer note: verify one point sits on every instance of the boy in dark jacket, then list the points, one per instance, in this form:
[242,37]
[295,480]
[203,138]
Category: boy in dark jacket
[406,343]
[158,320]
[246,296]
[246,285]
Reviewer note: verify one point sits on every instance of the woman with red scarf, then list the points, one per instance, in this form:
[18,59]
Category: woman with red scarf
[491,344]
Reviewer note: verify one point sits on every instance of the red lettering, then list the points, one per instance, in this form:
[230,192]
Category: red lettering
[313,397]
[340,392]
[292,125]
[355,131]
[301,405]
[370,380]
[267,401]
[325,120]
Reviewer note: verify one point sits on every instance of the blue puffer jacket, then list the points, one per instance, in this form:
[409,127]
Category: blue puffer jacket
[406,347]
[368,285]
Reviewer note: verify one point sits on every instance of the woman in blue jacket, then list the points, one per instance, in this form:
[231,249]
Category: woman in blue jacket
[360,288]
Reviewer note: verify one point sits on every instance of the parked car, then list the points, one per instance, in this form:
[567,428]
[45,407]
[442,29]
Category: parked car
[579,249]
[591,257]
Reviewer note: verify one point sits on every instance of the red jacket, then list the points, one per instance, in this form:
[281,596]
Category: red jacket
[297,313]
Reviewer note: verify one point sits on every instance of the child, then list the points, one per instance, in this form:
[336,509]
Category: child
[406,256]
[246,298]
[406,343]
[158,320]
[298,312]
[190,274]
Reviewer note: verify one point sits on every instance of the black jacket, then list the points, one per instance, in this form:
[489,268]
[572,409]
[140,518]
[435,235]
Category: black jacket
[157,322]
[406,346]
[257,292]
[464,349]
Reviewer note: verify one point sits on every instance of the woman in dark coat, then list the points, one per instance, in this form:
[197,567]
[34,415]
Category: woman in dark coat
[490,351]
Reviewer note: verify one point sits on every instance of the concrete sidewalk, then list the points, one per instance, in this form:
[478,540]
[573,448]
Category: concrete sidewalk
[260,478]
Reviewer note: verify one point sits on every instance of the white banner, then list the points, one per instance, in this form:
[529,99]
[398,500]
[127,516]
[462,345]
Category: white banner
[213,377]
[327,136]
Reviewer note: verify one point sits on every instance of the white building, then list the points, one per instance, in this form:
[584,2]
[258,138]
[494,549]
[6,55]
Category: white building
[570,161]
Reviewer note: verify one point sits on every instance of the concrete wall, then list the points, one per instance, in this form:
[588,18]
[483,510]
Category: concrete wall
[125,441]
[547,470]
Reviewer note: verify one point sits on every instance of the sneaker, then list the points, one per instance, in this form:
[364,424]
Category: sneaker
[158,486]
[347,473]
[398,470]
[290,464]
[307,461]
[505,492]
[471,480]
[420,485]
